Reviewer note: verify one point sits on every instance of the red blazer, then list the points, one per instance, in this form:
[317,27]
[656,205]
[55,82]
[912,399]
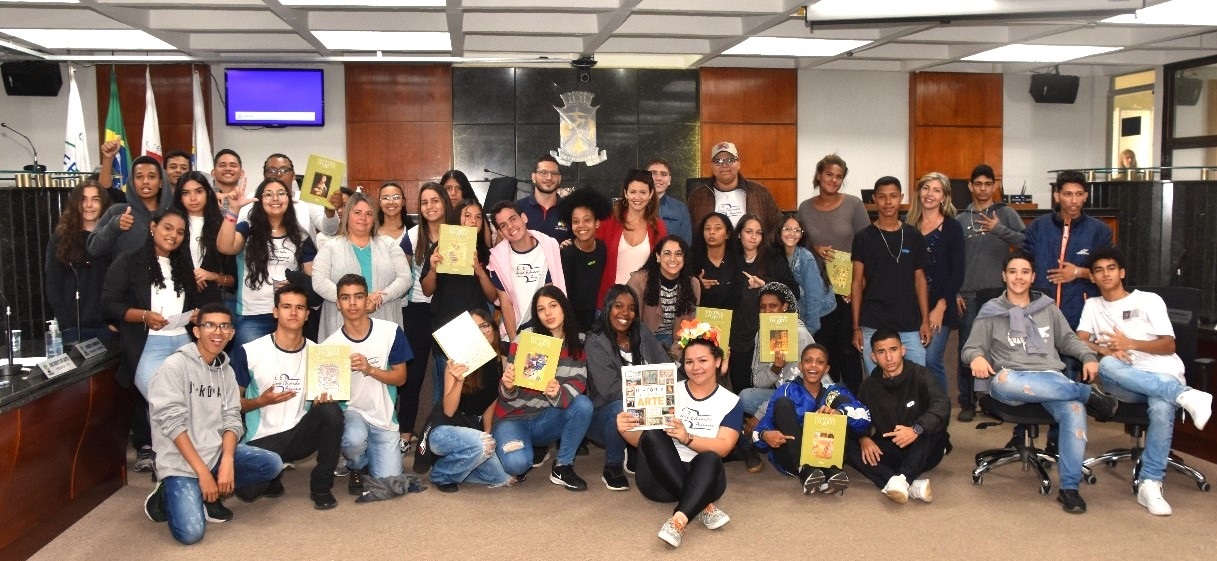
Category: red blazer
[610,233]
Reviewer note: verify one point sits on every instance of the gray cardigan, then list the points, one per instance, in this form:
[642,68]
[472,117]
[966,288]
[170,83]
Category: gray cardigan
[390,274]
[604,364]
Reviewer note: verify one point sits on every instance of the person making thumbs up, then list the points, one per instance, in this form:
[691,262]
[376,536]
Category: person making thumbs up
[124,227]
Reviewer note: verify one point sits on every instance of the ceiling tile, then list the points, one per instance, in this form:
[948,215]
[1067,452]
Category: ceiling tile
[529,22]
[226,20]
[62,18]
[523,43]
[248,42]
[378,21]
[666,45]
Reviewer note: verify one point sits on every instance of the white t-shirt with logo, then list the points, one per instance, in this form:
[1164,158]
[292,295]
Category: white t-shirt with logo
[384,346]
[261,364]
[702,418]
[251,302]
[733,203]
[1141,316]
[196,241]
[529,272]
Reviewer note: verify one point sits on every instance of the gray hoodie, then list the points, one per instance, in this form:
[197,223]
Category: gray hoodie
[107,240]
[189,396]
[991,338]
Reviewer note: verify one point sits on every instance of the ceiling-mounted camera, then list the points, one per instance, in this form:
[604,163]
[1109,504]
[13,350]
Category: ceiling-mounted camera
[583,67]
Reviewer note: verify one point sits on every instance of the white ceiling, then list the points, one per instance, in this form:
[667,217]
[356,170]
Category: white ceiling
[618,33]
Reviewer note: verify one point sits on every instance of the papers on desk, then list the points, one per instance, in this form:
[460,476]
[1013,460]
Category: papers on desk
[25,362]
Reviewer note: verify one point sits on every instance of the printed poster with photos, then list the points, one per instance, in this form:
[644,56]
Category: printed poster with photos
[322,177]
[536,360]
[823,440]
[779,332]
[649,393]
[329,372]
[841,272]
[458,248]
[718,318]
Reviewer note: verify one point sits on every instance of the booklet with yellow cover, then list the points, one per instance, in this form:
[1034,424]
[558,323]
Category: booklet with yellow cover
[841,272]
[458,249]
[536,360]
[322,177]
[779,332]
[648,392]
[718,318]
[329,372]
[464,343]
[823,440]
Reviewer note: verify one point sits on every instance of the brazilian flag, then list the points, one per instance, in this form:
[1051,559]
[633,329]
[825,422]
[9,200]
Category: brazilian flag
[115,129]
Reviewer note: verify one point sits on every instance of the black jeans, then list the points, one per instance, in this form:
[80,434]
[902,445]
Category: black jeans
[141,427]
[416,322]
[911,461]
[662,477]
[788,422]
[836,334]
[320,431]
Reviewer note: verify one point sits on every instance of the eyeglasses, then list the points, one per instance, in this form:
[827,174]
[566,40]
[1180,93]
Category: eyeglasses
[211,326]
[274,195]
[724,161]
[279,171]
[547,173]
[485,326]
[393,198]
[792,230]
[672,254]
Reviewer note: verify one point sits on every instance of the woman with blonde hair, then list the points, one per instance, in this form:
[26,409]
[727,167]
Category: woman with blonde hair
[933,213]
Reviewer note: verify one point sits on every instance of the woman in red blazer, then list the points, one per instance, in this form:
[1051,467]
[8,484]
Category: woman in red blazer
[632,231]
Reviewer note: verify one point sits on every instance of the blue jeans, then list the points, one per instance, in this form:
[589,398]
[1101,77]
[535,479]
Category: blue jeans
[252,327]
[465,455]
[934,355]
[963,377]
[156,350]
[1064,399]
[753,399]
[514,438]
[603,429]
[364,446]
[1126,383]
[184,498]
[913,349]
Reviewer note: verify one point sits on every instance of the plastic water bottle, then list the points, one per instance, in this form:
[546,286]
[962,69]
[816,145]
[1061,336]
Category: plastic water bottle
[54,339]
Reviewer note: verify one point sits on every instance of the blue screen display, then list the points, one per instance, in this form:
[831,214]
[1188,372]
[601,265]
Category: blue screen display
[275,97]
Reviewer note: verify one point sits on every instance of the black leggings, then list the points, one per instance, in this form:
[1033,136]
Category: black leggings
[836,334]
[662,477]
[416,322]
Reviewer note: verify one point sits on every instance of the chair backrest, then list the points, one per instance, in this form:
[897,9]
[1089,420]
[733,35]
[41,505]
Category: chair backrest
[1182,305]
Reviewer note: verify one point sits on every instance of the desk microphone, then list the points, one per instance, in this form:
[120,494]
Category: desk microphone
[488,170]
[34,168]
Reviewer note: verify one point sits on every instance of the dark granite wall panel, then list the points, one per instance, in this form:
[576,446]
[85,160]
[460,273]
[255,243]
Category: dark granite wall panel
[483,95]
[1193,253]
[27,217]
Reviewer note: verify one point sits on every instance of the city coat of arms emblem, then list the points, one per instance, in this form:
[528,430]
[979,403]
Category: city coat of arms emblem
[578,131]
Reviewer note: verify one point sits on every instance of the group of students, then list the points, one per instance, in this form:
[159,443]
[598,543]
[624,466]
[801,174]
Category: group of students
[263,275]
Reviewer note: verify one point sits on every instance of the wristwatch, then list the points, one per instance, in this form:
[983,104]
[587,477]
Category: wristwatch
[917,428]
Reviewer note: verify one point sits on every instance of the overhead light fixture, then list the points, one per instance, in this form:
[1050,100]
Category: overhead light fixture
[793,46]
[1038,53]
[92,39]
[1175,12]
[837,12]
[42,1]
[414,41]
[366,3]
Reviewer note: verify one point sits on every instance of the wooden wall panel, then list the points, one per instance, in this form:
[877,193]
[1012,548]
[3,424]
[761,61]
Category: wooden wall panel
[749,95]
[765,150]
[955,122]
[174,102]
[955,150]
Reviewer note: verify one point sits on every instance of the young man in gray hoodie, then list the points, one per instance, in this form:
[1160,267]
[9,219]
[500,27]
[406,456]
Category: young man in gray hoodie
[195,409]
[1017,340]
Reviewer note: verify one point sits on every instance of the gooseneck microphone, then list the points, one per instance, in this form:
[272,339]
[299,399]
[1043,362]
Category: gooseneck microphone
[36,167]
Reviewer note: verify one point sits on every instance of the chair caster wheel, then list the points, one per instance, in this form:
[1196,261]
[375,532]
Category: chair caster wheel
[1045,488]
[1091,479]
[1205,486]
[977,480]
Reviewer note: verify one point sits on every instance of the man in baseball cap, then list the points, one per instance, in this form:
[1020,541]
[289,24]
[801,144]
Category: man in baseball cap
[729,192]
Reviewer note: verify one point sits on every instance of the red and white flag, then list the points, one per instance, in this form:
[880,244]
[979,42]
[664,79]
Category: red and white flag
[201,145]
[152,125]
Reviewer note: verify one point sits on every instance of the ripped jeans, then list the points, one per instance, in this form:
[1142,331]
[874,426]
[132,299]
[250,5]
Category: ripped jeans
[1064,399]
[465,455]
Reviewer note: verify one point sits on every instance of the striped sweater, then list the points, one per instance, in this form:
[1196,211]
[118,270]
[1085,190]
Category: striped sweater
[522,403]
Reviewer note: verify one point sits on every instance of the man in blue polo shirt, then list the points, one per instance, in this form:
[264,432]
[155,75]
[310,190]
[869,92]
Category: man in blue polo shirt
[541,207]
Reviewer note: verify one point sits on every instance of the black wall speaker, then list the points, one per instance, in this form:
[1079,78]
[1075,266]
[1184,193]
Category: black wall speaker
[31,78]
[1054,88]
[1187,90]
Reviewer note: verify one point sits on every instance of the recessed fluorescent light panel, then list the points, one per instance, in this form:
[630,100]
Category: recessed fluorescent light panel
[366,3]
[43,1]
[1038,53]
[1175,12]
[415,41]
[793,46]
[96,39]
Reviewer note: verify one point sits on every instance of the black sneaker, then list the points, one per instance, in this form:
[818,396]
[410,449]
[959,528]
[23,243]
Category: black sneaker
[145,459]
[539,455]
[1101,405]
[216,512]
[614,478]
[566,476]
[812,479]
[1071,501]
[966,415]
[838,482]
[323,501]
[448,487]
[752,458]
[275,490]
[355,482]
[154,505]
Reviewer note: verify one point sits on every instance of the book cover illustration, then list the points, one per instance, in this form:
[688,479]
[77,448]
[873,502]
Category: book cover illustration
[648,393]
[536,360]
[823,440]
[458,248]
[779,332]
[720,319]
[322,177]
[329,372]
[841,272]
[464,343]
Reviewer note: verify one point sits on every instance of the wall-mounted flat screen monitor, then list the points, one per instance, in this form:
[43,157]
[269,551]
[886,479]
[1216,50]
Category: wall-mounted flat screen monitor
[275,97]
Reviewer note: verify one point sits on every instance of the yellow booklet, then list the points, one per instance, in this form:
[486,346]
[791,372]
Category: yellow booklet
[536,360]
[458,247]
[719,318]
[779,332]
[841,272]
[322,177]
[329,371]
[823,440]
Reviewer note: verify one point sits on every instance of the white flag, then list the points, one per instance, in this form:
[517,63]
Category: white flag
[152,125]
[201,149]
[75,145]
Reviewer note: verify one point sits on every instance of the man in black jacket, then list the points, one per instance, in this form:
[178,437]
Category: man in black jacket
[909,416]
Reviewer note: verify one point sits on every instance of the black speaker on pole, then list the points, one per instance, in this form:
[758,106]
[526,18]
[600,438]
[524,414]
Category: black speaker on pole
[1187,90]
[32,78]
[1054,88]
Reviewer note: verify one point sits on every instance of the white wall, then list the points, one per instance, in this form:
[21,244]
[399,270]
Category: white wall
[44,120]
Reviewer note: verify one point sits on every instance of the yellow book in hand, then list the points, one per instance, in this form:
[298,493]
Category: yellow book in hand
[718,318]
[536,360]
[457,248]
[322,178]
[841,272]
[779,332]
[823,440]
[329,372]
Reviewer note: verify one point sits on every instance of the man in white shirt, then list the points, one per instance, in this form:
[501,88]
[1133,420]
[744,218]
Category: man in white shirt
[522,262]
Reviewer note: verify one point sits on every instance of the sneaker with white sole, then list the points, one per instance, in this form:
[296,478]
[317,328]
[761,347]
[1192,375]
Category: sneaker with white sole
[566,477]
[1149,495]
[614,479]
[154,505]
[1198,405]
[713,517]
[897,489]
[920,490]
[145,460]
[216,512]
[837,483]
[813,480]
[672,532]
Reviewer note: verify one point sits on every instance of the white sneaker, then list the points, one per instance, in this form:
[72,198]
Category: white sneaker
[1198,404]
[920,490]
[1149,495]
[897,489]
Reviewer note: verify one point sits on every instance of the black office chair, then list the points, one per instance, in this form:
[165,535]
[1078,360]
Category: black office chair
[1181,305]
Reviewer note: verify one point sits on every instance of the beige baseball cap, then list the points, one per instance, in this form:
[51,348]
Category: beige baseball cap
[728,147]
